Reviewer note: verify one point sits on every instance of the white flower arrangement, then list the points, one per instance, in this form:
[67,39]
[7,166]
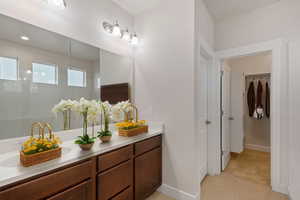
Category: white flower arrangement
[117,110]
[63,105]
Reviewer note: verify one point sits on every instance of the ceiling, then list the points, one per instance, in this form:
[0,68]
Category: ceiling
[135,7]
[226,8]
[12,29]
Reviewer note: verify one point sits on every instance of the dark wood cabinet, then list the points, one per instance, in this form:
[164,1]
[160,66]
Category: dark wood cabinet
[114,158]
[82,191]
[50,184]
[148,175]
[115,180]
[132,172]
[124,195]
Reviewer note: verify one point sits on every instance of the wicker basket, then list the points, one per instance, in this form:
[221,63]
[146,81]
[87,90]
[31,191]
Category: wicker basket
[34,159]
[133,132]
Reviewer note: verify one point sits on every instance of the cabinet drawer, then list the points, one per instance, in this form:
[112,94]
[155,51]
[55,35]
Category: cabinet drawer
[125,195]
[147,145]
[50,184]
[82,191]
[114,158]
[115,180]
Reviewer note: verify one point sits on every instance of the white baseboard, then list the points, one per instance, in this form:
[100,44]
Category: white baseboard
[176,193]
[203,173]
[258,147]
[227,159]
[280,188]
[294,193]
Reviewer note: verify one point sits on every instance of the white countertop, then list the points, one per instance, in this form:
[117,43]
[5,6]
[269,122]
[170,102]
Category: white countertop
[12,171]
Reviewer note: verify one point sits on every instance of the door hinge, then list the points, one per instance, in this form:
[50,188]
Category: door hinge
[222,153]
[222,112]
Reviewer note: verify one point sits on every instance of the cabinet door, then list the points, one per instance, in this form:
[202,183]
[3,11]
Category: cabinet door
[148,174]
[82,191]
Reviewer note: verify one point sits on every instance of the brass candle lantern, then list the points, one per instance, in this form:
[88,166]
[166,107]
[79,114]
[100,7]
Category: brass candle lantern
[40,149]
[131,126]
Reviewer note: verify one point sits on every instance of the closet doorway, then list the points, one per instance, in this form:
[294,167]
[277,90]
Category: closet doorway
[246,121]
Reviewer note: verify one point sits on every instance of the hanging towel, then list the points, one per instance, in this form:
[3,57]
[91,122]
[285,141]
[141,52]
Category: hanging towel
[251,99]
[259,111]
[267,109]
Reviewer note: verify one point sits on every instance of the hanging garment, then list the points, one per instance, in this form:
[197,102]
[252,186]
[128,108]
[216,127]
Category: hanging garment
[259,111]
[259,95]
[267,109]
[251,99]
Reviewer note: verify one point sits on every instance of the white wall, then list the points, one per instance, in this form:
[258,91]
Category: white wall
[82,20]
[207,24]
[256,132]
[278,20]
[164,81]
[164,85]
[115,68]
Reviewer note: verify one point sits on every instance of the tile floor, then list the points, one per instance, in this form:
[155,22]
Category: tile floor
[247,177]
[251,165]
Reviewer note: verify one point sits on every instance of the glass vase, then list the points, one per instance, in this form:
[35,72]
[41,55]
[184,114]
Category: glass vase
[85,123]
[67,119]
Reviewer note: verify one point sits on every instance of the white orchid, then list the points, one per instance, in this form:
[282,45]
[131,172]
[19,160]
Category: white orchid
[117,110]
[94,110]
[63,105]
[91,108]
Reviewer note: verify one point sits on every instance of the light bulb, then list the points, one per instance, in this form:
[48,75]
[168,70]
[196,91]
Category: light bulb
[126,36]
[24,37]
[134,40]
[29,71]
[116,30]
[61,4]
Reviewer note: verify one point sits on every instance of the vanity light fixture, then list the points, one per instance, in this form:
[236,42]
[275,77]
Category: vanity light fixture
[61,4]
[134,39]
[115,30]
[24,37]
[126,35]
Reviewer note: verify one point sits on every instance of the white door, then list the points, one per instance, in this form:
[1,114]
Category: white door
[201,114]
[237,112]
[226,117]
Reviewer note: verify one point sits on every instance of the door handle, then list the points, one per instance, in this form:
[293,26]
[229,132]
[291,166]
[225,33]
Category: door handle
[207,122]
[230,118]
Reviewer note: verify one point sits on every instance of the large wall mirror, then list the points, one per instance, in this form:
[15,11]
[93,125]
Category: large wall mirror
[38,68]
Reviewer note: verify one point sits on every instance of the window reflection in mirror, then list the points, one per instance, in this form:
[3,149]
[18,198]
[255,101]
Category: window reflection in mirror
[37,73]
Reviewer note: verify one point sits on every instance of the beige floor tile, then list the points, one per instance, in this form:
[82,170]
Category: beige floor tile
[246,178]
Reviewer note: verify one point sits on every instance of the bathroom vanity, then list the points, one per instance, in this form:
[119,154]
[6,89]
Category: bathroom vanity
[36,74]
[126,169]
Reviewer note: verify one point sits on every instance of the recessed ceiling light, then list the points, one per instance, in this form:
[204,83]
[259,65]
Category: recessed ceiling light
[25,38]
[58,3]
